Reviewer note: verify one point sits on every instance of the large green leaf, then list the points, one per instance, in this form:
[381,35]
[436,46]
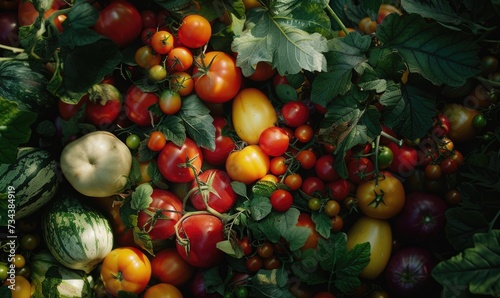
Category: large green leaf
[477,268]
[198,122]
[76,27]
[440,55]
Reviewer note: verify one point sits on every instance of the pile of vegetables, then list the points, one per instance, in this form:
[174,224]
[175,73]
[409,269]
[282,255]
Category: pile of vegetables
[250,148]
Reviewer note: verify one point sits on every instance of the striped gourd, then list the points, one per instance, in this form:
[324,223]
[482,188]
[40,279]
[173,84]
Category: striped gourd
[33,177]
[77,235]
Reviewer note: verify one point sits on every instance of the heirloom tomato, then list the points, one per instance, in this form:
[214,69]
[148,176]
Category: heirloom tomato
[248,164]
[213,188]
[223,144]
[195,31]
[461,122]
[125,269]
[137,103]
[159,219]
[252,113]
[180,163]
[197,240]
[381,198]
[120,21]
[216,77]
[169,267]
[104,105]
[379,234]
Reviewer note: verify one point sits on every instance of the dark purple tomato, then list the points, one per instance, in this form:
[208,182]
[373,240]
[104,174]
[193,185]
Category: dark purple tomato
[9,29]
[197,287]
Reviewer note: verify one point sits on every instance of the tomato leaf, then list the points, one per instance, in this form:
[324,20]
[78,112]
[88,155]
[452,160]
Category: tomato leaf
[282,35]
[198,122]
[322,222]
[477,267]
[389,65]
[440,55]
[239,188]
[369,80]
[271,283]
[14,129]
[173,128]
[462,224]
[344,54]
[76,27]
[141,197]
[259,207]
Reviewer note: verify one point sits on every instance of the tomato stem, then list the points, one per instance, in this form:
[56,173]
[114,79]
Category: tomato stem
[399,142]
[336,18]
[12,49]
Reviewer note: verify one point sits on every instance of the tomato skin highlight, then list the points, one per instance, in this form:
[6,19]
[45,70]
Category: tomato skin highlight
[220,195]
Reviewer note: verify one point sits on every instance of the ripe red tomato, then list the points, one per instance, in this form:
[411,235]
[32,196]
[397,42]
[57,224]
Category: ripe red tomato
[339,189]
[148,18]
[201,233]
[293,181]
[182,82]
[137,103]
[304,133]
[405,159]
[360,169]
[281,200]
[27,13]
[217,79]
[274,141]
[67,110]
[324,168]
[248,164]
[180,163]
[195,31]
[156,141]
[295,113]
[313,184]
[162,42]
[179,59]
[263,72]
[223,144]
[159,218]
[307,159]
[213,188]
[169,267]
[313,238]
[106,107]
[120,21]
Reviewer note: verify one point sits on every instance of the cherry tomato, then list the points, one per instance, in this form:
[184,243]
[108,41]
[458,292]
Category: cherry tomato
[180,163]
[182,82]
[263,72]
[274,141]
[360,169]
[67,110]
[325,169]
[479,121]
[22,288]
[265,250]
[307,159]
[367,26]
[156,141]
[133,141]
[4,272]
[293,181]
[313,185]
[405,159]
[195,31]
[246,247]
[314,204]
[278,165]
[272,262]
[448,166]
[248,164]
[332,208]
[385,157]
[162,290]
[254,263]
[170,102]
[338,189]
[146,58]
[295,113]
[169,267]
[162,42]
[381,198]
[337,223]
[223,144]
[281,200]
[147,35]
[157,73]
[19,261]
[137,103]
[304,133]
[179,59]
[313,238]
[433,172]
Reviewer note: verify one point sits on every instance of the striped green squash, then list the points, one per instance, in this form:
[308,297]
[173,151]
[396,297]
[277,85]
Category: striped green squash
[49,278]
[77,235]
[33,176]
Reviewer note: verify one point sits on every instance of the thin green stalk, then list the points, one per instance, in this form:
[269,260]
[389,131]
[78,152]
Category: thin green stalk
[336,18]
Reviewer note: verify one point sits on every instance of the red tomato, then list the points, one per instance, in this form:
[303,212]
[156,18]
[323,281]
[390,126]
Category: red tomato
[281,200]
[295,113]
[307,159]
[179,59]
[156,141]
[223,144]
[67,110]
[180,163]
[201,233]
[137,103]
[195,31]
[278,165]
[293,181]
[248,164]
[360,169]
[27,13]
[213,188]
[120,21]
[313,238]
[339,189]
[263,72]
[159,218]
[169,267]
[217,79]
[313,184]
[162,42]
[405,159]
[104,107]
[182,82]
[324,168]
[148,18]
[274,141]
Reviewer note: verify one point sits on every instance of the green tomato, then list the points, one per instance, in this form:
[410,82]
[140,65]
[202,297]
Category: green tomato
[241,292]
[133,141]
[4,271]
[385,157]
[479,121]
[314,204]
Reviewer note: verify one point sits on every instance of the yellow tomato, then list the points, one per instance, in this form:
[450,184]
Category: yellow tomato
[378,232]
[248,164]
[252,113]
[383,198]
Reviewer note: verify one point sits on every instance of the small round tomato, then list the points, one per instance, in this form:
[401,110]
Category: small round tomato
[146,57]
[304,133]
[265,250]
[337,223]
[461,122]
[307,159]
[156,141]
[137,103]
[281,200]
[162,42]
[147,35]
[263,72]
[168,266]
[367,25]
[21,287]
[405,159]
[312,185]
[30,241]
[223,144]
[67,110]
[170,102]
[274,141]
[433,172]
[479,121]
[180,163]
[278,165]
[385,157]
[162,290]
[133,141]
[272,262]
[360,169]
[248,164]
[246,247]
[195,31]
[295,113]
[381,198]
[125,269]
[254,263]
[179,59]
[213,189]
[314,204]
[448,166]
[332,208]
[157,73]
[293,181]
[339,189]
[325,169]
[313,238]
[182,82]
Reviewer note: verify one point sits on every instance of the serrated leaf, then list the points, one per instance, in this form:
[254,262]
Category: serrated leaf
[271,283]
[269,38]
[198,122]
[440,55]
[259,207]
[348,275]
[388,65]
[143,240]
[239,188]
[76,27]
[477,267]
[323,223]
[173,128]
[296,237]
[369,80]
[141,197]
[343,56]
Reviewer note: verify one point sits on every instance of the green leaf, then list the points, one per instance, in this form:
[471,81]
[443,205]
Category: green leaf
[296,237]
[271,283]
[477,267]
[4,209]
[173,128]
[239,188]
[259,207]
[462,224]
[76,27]
[198,122]
[14,129]
[440,55]
[369,80]
[143,239]
[343,56]
[286,93]
[349,269]
[323,223]
[388,65]
[409,110]
[276,37]
[264,188]
[141,197]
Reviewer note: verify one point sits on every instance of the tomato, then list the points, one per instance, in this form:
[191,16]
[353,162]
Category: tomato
[307,159]
[162,42]
[367,26]
[304,133]
[159,218]
[170,102]
[293,181]
[381,199]
[448,165]
[217,79]
[162,290]
[295,113]
[274,141]
[265,250]
[479,121]
[313,238]
[263,72]
[248,164]
[281,200]
[489,64]
[22,287]
[4,271]
[332,208]
[360,169]
[249,4]
[324,295]
[251,105]
[314,204]
[271,263]
[379,234]
[461,122]
[338,189]
[213,188]
[120,21]
[433,172]
[453,197]
[180,163]
[312,185]
[168,266]
[201,233]
[19,260]
[30,241]
[9,33]
[156,141]
[157,73]
[104,105]
[385,10]
[254,263]
[182,82]
[27,13]
[179,59]
[194,31]
[379,294]
[385,157]
[133,141]
[405,159]
[137,103]
[125,269]
[67,110]
[246,247]
[148,18]
[324,168]
[223,144]
[146,57]
[278,165]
